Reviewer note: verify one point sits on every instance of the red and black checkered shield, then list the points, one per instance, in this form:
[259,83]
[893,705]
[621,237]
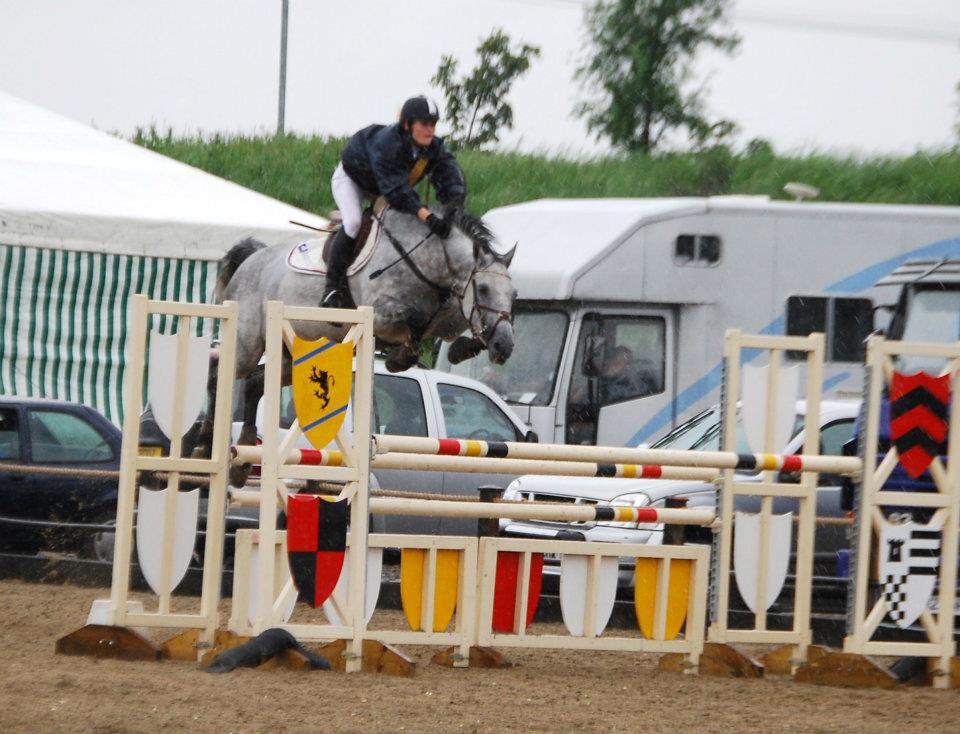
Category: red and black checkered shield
[918,418]
[316,542]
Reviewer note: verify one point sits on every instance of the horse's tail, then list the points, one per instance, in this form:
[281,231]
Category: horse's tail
[233,260]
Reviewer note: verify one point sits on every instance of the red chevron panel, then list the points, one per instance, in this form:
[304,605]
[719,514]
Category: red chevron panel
[920,417]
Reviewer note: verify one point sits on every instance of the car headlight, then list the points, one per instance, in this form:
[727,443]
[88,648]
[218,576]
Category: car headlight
[634,499]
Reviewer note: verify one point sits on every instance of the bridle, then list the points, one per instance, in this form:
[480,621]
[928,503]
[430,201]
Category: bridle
[470,307]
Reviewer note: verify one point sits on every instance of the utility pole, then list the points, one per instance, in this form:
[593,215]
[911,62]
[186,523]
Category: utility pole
[283,65]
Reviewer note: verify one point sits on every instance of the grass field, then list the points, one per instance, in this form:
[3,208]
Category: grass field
[297,169]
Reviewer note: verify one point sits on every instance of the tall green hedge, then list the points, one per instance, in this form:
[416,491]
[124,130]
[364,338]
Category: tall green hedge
[297,169]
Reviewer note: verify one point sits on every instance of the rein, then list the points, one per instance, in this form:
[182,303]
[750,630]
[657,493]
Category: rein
[405,257]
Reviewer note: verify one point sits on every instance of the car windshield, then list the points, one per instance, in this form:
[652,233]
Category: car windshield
[702,433]
[529,375]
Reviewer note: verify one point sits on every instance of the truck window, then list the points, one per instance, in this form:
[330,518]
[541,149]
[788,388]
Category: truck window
[469,414]
[398,406]
[529,376]
[696,249]
[9,435]
[932,316]
[63,438]
[629,365]
[846,323]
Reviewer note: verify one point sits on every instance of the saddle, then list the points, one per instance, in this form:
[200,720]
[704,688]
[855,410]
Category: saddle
[311,256]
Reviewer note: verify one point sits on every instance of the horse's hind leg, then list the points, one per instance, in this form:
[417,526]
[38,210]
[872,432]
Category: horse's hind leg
[252,392]
[204,446]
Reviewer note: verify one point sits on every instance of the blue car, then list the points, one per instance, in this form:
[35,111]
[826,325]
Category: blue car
[65,435]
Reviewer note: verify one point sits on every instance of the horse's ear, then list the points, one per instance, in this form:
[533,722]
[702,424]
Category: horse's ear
[507,258]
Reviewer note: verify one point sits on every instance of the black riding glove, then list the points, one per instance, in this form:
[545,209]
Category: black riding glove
[438,226]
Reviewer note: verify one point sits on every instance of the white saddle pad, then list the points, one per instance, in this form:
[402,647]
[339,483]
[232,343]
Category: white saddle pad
[307,256]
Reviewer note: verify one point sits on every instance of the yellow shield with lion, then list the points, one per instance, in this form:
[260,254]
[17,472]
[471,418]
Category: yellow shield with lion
[322,379]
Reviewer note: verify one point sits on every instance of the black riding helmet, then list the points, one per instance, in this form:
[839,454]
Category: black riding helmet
[419,108]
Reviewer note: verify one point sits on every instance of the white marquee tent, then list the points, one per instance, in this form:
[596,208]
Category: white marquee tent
[86,221]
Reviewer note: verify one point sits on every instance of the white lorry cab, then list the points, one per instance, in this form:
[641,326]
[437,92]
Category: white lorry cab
[623,304]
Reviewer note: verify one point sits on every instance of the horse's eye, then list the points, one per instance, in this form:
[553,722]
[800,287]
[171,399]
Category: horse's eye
[483,290]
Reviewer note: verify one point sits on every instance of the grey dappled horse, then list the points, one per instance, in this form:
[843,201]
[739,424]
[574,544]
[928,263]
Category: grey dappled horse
[418,285]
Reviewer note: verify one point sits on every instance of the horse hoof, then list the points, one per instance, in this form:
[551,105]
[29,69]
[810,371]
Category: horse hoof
[200,452]
[239,475]
[399,365]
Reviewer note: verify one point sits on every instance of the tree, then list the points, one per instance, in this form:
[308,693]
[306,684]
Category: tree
[637,70]
[476,105]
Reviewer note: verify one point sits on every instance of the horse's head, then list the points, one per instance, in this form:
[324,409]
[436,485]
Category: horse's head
[487,299]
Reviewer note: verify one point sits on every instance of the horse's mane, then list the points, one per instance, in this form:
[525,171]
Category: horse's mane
[478,231]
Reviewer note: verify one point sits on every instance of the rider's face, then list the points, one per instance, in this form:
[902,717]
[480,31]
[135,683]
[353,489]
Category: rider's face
[422,132]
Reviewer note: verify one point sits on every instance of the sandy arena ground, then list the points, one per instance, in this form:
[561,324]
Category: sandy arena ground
[546,692]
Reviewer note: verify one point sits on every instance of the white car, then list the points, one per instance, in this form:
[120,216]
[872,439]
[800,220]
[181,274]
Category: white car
[700,433]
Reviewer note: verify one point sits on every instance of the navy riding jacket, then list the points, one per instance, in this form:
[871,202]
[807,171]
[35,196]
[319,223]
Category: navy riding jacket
[379,159]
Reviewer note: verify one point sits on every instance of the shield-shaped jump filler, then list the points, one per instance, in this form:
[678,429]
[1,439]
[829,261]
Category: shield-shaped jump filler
[918,418]
[574,570]
[322,380]
[316,543]
[746,552]
[909,562]
[161,380]
[151,523]
[754,410]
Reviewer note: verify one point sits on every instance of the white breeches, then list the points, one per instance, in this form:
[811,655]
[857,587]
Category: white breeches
[349,200]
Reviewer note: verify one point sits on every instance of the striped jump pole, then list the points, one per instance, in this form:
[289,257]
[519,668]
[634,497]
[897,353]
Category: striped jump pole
[482,465]
[539,511]
[295,457]
[608,455]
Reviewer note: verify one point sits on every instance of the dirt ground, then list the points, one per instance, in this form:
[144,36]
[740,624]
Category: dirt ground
[548,691]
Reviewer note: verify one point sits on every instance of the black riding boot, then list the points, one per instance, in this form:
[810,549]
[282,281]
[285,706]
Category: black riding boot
[341,255]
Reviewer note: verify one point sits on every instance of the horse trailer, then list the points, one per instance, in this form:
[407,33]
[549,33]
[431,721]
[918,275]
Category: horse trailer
[655,283]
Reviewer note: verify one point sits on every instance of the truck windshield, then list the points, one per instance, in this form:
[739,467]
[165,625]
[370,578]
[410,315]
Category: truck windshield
[933,316]
[529,375]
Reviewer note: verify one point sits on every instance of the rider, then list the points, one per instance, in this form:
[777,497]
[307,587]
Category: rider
[390,160]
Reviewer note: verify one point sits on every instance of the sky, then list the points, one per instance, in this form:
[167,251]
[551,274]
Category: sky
[845,76]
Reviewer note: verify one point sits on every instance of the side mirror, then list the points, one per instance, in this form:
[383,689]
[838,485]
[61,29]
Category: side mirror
[531,437]
[593,356]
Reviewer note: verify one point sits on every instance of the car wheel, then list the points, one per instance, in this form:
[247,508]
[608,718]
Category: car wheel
[99,543]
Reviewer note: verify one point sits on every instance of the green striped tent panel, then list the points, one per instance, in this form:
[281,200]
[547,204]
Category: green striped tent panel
[63,318]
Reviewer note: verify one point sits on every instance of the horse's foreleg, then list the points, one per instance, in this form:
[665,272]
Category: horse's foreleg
[252,392]
[406,352]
